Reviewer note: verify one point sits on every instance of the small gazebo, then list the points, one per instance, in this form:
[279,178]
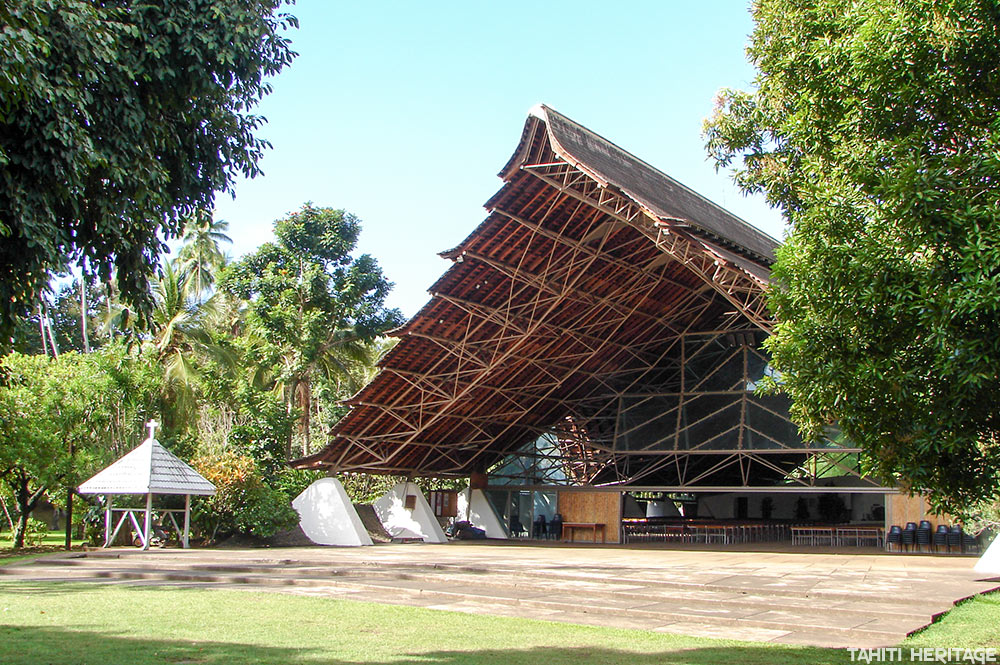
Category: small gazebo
[149,469]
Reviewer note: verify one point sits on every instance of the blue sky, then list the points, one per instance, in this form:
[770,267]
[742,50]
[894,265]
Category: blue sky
[402,112]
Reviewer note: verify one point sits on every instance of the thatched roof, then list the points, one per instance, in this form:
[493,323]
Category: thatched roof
[663,196]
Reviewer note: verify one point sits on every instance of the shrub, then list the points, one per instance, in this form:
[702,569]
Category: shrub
[243,503]
[93,525]
[35,532]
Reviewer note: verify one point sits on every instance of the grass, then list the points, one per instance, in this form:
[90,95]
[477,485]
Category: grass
[974,623]
[51,542]
[77,624]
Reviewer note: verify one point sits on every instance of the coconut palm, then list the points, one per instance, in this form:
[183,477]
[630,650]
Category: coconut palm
[201,254]
[177,331]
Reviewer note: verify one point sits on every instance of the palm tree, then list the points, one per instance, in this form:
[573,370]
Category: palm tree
[178,330]
[201,255]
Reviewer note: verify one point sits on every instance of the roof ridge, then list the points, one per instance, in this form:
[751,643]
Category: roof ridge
[543,112]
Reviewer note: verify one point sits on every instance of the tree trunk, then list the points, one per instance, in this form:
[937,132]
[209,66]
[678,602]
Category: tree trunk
[293,388]
[305,420]
[83,314]
[52,336]
[10,520]
[19,528]
[41,330]
[26,502]
[69,518]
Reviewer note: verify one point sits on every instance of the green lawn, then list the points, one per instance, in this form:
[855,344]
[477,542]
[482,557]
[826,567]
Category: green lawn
[52,542]
[974,623]
[74,624]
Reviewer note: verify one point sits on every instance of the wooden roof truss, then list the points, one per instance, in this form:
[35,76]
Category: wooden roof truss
[566,303]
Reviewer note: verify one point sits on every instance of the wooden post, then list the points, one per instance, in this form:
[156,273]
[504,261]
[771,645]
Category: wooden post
[107,519]
[478,480]
[187,521]
[149,517]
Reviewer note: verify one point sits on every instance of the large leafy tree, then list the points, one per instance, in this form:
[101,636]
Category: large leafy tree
[875,128]
[61,418]
[117,120]
[312,306]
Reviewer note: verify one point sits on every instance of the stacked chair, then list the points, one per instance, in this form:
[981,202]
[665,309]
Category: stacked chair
[539,528]
[924,535]
[969,543]
[555,526]
[955,538]
[941,537]
[894,537]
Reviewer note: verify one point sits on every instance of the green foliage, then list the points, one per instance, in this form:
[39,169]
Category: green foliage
[35,532]
[62,419]
[365,488]
[874,127]
[982,517]
[313,310]
[93,525]
[64,314]
[243,503]
[293,482]
[201,255]
[117,120]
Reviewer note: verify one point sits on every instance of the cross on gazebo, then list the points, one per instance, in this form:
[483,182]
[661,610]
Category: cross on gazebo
[147,470]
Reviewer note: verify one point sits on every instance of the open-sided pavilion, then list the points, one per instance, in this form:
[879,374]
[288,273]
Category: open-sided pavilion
[595,345]
[147,470]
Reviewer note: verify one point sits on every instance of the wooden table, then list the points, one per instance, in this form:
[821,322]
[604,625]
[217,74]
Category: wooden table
[569,527]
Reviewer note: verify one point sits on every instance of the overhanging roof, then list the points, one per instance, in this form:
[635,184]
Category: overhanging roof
[589,267]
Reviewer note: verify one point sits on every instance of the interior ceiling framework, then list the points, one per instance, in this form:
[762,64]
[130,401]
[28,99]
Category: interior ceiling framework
[578,288]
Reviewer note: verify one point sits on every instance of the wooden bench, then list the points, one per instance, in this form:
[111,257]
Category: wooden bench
[569,527]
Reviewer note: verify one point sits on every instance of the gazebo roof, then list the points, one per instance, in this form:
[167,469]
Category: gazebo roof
[149,469]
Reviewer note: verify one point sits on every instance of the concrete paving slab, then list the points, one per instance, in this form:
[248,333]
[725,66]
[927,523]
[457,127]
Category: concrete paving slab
[747,633]
[863,599]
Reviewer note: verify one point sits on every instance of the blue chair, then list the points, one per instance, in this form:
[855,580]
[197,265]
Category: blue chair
[910,535]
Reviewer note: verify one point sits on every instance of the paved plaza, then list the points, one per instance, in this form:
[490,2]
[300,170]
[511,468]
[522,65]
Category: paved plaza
[836,599]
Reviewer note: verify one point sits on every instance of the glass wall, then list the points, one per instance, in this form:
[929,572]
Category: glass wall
[525,513]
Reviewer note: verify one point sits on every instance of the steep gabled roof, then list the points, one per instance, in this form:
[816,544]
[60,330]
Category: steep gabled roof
[589,267]
[148,469]
[660,194]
